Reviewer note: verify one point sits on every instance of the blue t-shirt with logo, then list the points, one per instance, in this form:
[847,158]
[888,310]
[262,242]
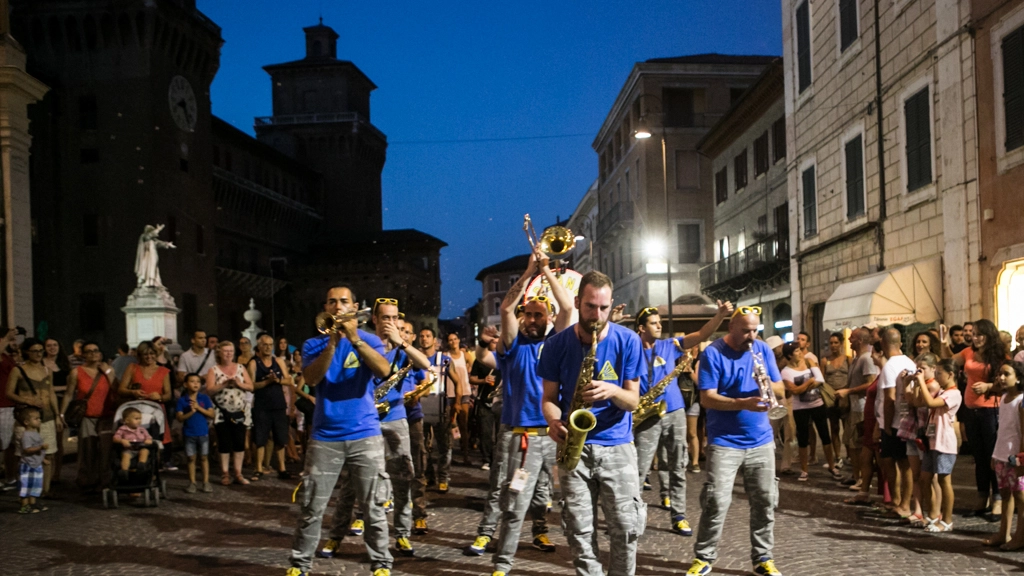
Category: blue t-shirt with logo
[344,399]
[731,373]
[619,358]
[196,424]
[523,393]
[414,412]
[396,396]
[663,357]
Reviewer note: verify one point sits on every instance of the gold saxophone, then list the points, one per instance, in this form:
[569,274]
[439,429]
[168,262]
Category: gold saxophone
[383,406]
[647,406]
[581,420]
[414,395]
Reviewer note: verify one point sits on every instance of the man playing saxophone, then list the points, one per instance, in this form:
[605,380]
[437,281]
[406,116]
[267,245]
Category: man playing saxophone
[395,430]
[524,454]
[739,439]
[660,358]
[606,469]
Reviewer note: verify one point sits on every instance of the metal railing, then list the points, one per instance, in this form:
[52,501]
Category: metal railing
[771,250]
[620,213]
[336,117]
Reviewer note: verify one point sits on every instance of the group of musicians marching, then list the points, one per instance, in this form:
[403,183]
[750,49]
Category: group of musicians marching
[364,439]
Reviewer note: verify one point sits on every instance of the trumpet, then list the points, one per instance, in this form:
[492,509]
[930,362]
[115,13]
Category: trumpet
[327,323]
[554,241]
[776,411]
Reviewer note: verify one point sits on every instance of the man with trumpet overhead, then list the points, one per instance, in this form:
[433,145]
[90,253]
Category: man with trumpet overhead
[591,375]
[661,418]
[739,382]
[407,366]
[524,459]
[346,432]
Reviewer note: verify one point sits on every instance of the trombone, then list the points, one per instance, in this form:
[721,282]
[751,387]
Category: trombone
[327,323]
[554,241]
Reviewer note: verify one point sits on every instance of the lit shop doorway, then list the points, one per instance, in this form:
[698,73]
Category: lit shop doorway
[1010,296]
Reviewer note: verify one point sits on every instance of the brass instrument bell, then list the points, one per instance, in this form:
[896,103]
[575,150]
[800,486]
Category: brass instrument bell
[554,241]
[327,323]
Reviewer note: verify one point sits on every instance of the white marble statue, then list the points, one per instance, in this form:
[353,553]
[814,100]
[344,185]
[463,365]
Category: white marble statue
[146,256]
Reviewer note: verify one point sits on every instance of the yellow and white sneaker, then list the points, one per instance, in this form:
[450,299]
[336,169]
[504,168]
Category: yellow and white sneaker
[328,550]
[681,526]
[382,572]
[699,568]
[479,546]
[542,543]
[666,503]
[419,526]
[404,546]
[293,571]
[356,529]
[766,567]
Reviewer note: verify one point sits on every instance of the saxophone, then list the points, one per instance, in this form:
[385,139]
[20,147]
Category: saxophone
[383,406]
[647,406]
[581,420]
[413,396]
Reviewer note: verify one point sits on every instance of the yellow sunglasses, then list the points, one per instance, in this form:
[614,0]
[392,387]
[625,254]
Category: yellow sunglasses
[744,310]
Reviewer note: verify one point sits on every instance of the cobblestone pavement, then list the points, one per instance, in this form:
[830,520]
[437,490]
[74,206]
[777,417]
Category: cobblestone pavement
[247,530]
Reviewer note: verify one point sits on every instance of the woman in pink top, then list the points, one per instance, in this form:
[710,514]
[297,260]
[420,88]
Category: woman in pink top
[979,362]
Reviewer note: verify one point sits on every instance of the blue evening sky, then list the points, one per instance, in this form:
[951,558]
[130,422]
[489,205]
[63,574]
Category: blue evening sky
[451,72]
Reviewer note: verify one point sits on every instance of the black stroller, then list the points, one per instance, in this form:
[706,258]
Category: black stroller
[145,479]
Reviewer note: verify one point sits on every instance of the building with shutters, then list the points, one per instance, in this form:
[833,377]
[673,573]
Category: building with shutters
[999,42]
[680,98]
[893,241]
[747,152]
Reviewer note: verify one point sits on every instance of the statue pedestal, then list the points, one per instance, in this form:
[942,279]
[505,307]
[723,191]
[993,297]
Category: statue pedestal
[150,312]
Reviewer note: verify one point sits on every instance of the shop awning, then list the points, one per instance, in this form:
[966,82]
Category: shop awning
[906,295]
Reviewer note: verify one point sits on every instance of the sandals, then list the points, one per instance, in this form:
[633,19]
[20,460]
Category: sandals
[256,476]
[239,479]
[916,521]
[940,526]
[803,477]
[225,479]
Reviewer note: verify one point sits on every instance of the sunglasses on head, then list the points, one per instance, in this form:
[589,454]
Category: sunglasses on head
[744,310]
[385,301]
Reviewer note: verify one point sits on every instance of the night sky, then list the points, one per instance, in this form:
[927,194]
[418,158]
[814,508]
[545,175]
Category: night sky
[490,108]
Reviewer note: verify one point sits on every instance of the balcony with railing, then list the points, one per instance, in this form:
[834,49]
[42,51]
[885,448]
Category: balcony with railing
[762,264]
[618,216]
[332,118]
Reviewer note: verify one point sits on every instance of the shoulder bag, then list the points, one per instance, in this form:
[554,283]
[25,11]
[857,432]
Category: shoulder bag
[76,409]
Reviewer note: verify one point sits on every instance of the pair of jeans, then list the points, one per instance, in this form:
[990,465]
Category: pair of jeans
[363,459]
[398,465]
[418,452]
[665,436]
[758,468]
[538,461]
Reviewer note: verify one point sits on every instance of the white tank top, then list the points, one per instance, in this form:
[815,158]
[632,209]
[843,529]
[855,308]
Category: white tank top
[1008,436]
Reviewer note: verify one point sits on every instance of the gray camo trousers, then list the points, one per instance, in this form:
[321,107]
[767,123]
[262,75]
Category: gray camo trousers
[666,434]
[398,465]
[605,474]
[364,461]
[539,462]
[492,511]
[758,468]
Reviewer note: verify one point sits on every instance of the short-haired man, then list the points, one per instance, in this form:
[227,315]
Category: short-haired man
[524,448]
[272,383]
[123,361]
[395,430]
[862,374]
[804,340]
[198,358]
[889,407]
[740,439]
[345,433]
[606,470]
[956,337]
[211,341]
[417,445]
[661,356]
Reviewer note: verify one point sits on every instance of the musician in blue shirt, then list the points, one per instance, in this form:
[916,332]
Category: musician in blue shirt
[739,439]
[394,428]
[345,433]
[669,431]
[607,470]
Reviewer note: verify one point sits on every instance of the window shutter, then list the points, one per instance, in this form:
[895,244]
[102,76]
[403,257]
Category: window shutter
[810,203]
[803,45]
[919,147]
[847,23]
[1013,88]
[854,178]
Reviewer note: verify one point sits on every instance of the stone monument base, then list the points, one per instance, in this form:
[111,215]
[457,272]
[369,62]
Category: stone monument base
[150,312]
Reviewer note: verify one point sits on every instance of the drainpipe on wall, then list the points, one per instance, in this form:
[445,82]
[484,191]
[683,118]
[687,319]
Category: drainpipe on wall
[882,211]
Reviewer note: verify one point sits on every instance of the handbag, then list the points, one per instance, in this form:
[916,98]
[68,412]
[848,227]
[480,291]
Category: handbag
[828,394]
[75,412]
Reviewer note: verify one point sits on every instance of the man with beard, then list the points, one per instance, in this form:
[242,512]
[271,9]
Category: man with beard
[740,438]
[607,464]
[661,357]
[523,447]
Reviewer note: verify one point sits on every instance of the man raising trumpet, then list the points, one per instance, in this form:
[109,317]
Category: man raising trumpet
[524,451]
[606,469]
[660,358]
[740,438]
[346,432]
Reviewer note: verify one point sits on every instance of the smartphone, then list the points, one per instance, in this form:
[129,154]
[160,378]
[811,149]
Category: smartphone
[943,332]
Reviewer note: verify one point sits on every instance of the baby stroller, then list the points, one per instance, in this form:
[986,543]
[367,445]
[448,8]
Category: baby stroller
[140,479]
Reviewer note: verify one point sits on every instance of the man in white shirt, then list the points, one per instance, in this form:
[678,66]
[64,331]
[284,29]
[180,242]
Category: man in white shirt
[198,358]
[888,406]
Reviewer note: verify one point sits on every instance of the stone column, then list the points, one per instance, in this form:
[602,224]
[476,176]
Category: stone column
[17,91]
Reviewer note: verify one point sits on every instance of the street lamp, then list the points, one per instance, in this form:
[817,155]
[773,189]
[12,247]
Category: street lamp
[643,132]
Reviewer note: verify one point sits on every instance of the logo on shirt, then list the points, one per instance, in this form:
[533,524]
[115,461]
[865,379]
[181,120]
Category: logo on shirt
[659,361]
[351,361]
[607,372]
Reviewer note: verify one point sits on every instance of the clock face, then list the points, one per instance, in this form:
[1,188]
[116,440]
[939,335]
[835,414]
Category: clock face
[182,101]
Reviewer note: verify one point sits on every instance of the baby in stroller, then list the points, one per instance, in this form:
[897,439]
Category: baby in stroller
[135,440]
